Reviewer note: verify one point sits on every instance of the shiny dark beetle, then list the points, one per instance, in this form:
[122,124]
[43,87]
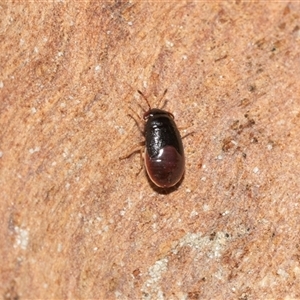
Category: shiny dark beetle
[164,156]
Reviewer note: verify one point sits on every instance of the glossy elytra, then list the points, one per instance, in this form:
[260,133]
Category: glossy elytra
[164,155]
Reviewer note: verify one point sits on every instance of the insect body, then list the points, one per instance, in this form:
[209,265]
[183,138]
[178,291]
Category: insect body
[164,155]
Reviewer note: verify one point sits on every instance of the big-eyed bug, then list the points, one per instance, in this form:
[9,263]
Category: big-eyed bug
[164,155]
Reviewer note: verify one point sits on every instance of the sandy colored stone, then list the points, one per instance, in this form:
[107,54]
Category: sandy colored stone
[77,223]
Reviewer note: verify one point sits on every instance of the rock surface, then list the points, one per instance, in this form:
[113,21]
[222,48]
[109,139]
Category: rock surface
[77,223]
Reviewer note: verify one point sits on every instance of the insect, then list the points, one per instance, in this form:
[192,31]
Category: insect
[164,155]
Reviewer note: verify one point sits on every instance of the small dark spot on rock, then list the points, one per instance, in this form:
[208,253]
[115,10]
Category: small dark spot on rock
[221,58]
[212,236]
[243,297]
[194,295]
[296,28]
[254,140]
[136,273]
[228,144]
[286,10]
[245,102]
[11,293]
[235,125]
[251,88]
[250,123]
[282,26]
[260,43]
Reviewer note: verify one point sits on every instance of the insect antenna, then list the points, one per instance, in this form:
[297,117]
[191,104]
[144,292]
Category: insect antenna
[145,99]
[161,98]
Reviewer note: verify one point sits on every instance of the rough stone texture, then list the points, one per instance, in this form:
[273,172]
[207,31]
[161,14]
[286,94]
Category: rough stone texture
[77,223]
